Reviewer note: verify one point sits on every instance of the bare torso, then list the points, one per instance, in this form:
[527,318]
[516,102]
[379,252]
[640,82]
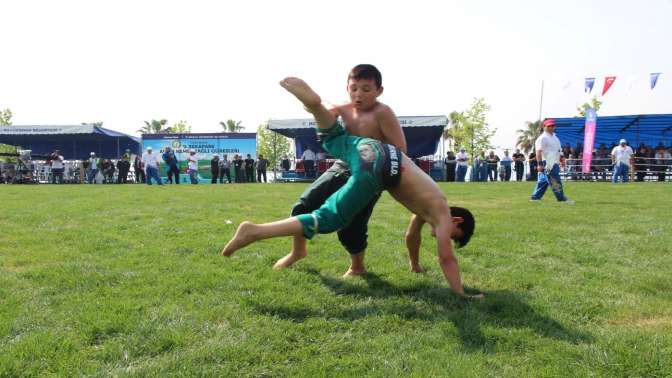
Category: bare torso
[364,123]
[419,193]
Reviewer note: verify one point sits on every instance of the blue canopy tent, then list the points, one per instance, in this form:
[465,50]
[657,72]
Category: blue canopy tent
[422,133]
[74,142]
[650,129]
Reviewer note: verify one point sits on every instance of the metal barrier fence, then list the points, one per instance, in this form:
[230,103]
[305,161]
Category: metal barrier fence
[601,169]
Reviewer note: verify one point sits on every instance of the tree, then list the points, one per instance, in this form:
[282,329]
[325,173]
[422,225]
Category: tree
[271,144]
[6,120]
[594,103]
[181,127]
[231,126]
[454,124]
[153,127]
[472,131]
[528,135]
[5,117]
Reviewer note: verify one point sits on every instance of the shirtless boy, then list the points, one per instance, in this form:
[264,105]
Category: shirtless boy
[375,166]
[363,116]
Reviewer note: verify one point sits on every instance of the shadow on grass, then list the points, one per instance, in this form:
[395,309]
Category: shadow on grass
[502,309]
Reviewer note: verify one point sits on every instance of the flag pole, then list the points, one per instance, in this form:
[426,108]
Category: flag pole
[541,99]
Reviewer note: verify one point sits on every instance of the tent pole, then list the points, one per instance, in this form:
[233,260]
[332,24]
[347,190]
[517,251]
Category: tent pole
[275,152]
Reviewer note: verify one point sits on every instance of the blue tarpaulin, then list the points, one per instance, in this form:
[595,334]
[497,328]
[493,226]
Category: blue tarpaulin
[74,142]
[422,133]
[650,129]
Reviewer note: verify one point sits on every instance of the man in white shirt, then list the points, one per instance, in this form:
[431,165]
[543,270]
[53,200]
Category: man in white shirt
[621,156]
[193,167]
[308,158]
[57,167]
[92,169]
[549,156]
[462,164]
[150,162]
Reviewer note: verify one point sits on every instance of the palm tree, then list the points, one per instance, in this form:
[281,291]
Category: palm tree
[153,127]
[528,135]
[450,131]
[181,127]
[231,126]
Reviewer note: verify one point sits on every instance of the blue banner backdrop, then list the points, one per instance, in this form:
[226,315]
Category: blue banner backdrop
[206,145]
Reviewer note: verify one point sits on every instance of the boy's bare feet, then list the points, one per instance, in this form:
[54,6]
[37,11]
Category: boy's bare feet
[301,91]
[289,260]
[417,269]
[354,273]
[244,235]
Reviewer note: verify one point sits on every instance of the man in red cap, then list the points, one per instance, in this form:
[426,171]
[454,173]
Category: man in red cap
[549,156]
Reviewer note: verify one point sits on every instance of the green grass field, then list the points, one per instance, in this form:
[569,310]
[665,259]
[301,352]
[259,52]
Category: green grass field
[127,280]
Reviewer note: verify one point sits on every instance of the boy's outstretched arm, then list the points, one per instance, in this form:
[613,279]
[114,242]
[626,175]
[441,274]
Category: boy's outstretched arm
[413,242]
[448,262]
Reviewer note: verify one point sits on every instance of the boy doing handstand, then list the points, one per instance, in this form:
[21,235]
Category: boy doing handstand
[374,167]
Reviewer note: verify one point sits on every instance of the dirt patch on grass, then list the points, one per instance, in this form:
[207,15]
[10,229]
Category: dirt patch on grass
[649,322]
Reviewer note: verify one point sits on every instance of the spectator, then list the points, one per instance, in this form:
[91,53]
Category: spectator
[214,168]
[57,167]
[173,165]
[549,157]
[249,169]
[662,160]
[641,162]
[192,167]
[123,166]
[92,170]
[462,165]
[308,158]
[225,169]
[601,163]
[139,171]
[478,165]
[151,164]
[567,151]
[506,163]
[519,164]
[451,165]
[284,164]
[532,162]
[621,156]
[492,161]
[107,167]
[320,155]
[262,166]
[238,168]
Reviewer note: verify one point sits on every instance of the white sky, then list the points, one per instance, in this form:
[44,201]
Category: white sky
[122,62]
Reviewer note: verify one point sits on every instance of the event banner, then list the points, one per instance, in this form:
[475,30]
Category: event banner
[589,139]
[205,145]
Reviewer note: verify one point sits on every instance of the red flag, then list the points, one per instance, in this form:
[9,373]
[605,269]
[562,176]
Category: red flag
[608,81]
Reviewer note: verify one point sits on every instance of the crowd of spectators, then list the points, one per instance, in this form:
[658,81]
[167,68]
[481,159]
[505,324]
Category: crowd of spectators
[145,168]
[652,163]
[647,163]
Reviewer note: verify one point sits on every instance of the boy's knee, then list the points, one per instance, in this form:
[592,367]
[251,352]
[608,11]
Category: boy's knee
[300,208]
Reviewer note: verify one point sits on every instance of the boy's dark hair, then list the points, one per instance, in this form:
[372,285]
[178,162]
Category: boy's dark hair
[366,71]
[467,226]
